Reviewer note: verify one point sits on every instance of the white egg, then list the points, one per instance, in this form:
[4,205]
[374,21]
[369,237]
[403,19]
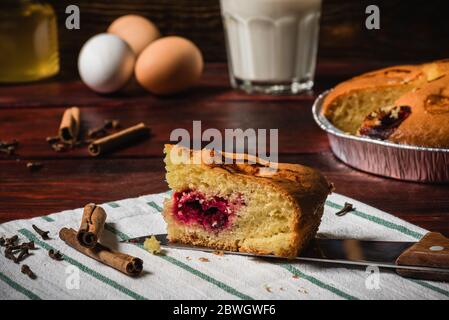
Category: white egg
[106,63]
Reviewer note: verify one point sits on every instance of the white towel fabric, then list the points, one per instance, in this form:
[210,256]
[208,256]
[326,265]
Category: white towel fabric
[181,274]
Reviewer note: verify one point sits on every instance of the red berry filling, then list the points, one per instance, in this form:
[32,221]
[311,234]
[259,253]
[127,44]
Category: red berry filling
[214,213]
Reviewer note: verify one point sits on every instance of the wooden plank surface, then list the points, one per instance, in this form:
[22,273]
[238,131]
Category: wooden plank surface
[29,113]
[298,135]
[214,85]
[410,30]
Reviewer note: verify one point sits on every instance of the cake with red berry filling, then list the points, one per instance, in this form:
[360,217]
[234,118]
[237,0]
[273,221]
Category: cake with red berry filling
[255,208]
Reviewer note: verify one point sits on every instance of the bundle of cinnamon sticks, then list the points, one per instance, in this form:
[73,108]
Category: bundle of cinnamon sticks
[85,240]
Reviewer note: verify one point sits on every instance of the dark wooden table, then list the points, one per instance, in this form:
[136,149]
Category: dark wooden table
[30,113]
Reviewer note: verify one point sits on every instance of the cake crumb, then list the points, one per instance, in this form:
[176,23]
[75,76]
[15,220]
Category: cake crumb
[295,277]
[267,288]
[302,290]
[152,245]
[219,252]
[188,258]
[203,259]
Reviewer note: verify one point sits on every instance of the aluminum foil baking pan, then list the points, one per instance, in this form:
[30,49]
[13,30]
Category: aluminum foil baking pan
[384,158]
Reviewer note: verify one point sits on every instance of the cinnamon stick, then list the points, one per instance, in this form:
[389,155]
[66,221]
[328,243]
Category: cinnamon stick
[122,262]
[92,225]
[119,139]
[70,125]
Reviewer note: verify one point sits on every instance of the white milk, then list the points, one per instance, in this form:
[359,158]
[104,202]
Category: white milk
[272,42]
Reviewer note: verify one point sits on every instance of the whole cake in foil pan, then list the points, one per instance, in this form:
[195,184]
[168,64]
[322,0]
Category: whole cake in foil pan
[392,122]
[403,104]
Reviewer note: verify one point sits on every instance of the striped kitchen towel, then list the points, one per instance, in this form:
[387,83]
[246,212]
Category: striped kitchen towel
[180,274]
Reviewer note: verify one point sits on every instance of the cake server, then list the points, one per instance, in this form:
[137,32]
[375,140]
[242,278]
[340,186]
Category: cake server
[427,259]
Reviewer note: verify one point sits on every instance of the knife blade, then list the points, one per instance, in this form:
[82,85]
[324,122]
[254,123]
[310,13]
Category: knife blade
[382,254]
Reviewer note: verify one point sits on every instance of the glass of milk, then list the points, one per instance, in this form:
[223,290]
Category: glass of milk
[272,44]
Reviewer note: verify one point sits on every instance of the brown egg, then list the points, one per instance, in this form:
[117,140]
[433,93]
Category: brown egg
[169,65]
[136,30]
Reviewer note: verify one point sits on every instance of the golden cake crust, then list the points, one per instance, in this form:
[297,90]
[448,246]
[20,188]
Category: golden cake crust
[427,97]
[387,77]
[304,187]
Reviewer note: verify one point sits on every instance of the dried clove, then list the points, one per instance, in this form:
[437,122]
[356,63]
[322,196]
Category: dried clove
[22,255]
[80,143]
[53,140]
[97,132]
[5,144]
[9,144]
[55,255]
[103,130]
[14,248]
[346,209]
[9,254]
[8,150]
[8,147]
[11,241]
[34,166]
[111,124]
[26,270]
[28,245]
[59,147]
[43,234]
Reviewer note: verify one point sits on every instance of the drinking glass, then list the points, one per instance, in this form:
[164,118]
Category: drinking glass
[272,44]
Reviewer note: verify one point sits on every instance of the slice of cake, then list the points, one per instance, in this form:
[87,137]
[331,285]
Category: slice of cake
[242,207]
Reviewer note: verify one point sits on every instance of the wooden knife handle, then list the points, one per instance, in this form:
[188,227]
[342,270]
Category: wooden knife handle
[431,251]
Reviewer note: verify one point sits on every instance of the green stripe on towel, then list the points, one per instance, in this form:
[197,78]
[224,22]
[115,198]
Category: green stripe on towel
[31,237]
[154,205]
[380,221]
[186,267]
[113,204]
[431,287]
[317,282]
[48,219]
[18,287]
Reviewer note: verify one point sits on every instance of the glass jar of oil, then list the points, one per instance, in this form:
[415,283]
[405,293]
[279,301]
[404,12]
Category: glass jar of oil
[28,41]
